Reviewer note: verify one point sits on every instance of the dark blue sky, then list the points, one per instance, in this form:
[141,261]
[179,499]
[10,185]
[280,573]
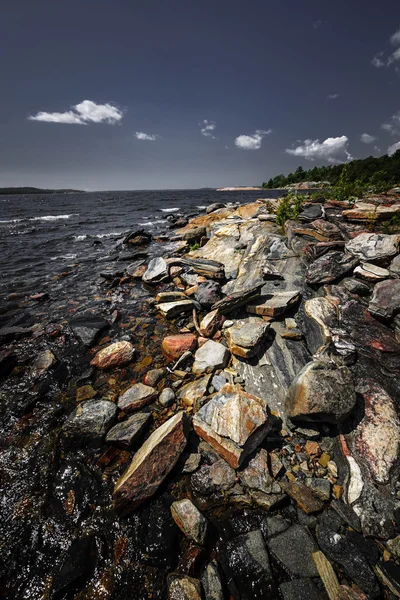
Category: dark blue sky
[307,71]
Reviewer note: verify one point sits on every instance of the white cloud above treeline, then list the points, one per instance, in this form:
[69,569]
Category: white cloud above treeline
[149,137]
[81,114]
[252,142]
[393,125]
[334,150]
[393,148]
[367,139]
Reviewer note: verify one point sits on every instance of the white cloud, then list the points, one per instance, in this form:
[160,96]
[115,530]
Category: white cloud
[393,126]
[395,38]
[332,96]
[317,24]
[81,114]
[149,137]
[377,61]
[395,57]
[393,148]
[367,139]
[252,142]
[207,127]
[332,149]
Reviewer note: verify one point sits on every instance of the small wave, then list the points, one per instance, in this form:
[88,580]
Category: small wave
[64,257]
[157,222]
[53,217]
[12,221]
[169,210]
[80,238]
[201,207]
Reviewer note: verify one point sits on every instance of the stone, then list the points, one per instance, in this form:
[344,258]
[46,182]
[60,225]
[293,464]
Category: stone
[136,397]
[173,346]
[270,272]
[78,563]
[320,319]
[218,477]
[321,488]
[394,547]
[170,296]
[246,566]
[209,357]
[156,271]
[193,234]
[194,391]
[131,270]
[299,589]
[118,354]
[208,293]
[245,336]
[208,268]
[347,514]
[389,573]
[330,267]
[88,424]
[174,309]
[385,301]
[87,328]
[211,323]
[294,548]
[42,363]
[86,392]
[167,397]
[394,267]
[218,381]
[151,464]
[182,587]
[374,247]
[371,272]
[215,206]
[234,423]
[125,434]
[190,520]
[256,474]
[276,304]
[137,238]
[276,525]
[235,300]
[268,501]
[356,287]
[211,581]
[153,376]
[192,463]
[321,392]
[303,496]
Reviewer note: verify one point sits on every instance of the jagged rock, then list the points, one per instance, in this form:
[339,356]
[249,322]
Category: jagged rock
[211,323]
[125,434]
[136,397]
[304,497]
[394,547]
[312,212]
[88,424]
[167,397]
[274,305]
[374,247]
[208,293]
[138,238]
[234,423]
[211,581]
[237,299]
[321,488]
[173,309]
[209,357]
[299,589]
[42,363]
[256,474]
[192,463]
[275,526]
[156,271]
[182,587]
[321,392]
[132,269]
[190,520]
[153,376]
[218,477]
[173,346]
[193,234]
[320,318]
[371,272]
[87,328]
[356,287]
[208,268]
[330,267]
[218,381]
[269,501]
[347,514]
[385,301]
[151,464]
[245,336]
[247,568]
[394,267]
[294,548]
[118,354]
[193,391]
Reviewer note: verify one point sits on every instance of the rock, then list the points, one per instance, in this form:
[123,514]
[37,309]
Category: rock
[371,272]
[132,268]
[42,363]
[208,268]
[374,247]
[181,587]
[343,552]
[86,392]
[88,424]
[276,525]
[173,346]
[294,548]
[136,397]
[209,357]
[118,354]
[138,238]
[256,474]
[157,271]
[173,309]
[192,463]
[347,514]
[167,397]
[190,520]
[320,318]
[218,381]
[312,212]
[194,391]
[234,423]
[125,434]
[193,234]
[270,272]
[321,392]
[303,496]
[385,301]
[77,565]
[211,323]
[299,589]
[87,328]
[211,581]
[321,488]
[8,361]
[212,207]
[330,267]
[170,296]
[389,573]
[274,305]
[208,293]
[153,376]
[247,568]
[245,336]
[394,547]
[151,464]
[394,267]
[237,299]
[356,287]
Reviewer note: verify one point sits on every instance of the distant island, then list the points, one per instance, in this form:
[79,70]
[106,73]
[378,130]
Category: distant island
[32,190]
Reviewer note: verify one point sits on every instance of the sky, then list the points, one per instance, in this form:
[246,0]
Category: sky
[101,95]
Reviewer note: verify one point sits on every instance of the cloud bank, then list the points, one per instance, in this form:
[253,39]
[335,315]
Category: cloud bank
[252,142]
[149,137]
[334,150]
[82,114]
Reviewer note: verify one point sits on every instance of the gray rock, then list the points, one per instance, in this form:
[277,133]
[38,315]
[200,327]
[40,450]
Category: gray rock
[374,247]
[208,293]
[88,424]
[330,267]
[321,488]
[394,267]
[87,328]
[356,287]
[173,309]
[157,270]
[215,206]
[276,525]
[274,304]
[245,336]
[299,589]
[211,580]
[294,548]
[218,477]
[167,397]
[218,381]
[190,520]
[371,272]
[237,299]
[123,435]
[319,320]
[256,474]
[192,463]
[385,301]
[209,357]
[136,397]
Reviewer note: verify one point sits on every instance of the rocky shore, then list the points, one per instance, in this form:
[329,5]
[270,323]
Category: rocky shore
[228,429]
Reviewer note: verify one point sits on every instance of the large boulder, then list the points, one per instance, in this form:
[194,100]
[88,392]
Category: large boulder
[374,247]
[88,424]
[209,357]
[321,392]
[385,302]
[118,354]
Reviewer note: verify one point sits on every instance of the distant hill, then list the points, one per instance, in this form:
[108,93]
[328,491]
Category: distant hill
[31,190]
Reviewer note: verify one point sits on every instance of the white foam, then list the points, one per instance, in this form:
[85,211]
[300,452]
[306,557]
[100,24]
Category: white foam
[53,217]
[169,210]
[12,221]
[201,207]
[64,256]
[152,222]
[80,238]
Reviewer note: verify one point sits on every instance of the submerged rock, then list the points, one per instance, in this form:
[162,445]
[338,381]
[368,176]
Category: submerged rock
[190,520]
[118,354]
[136,397]
[87,328]
[125,434]
[374,247]
[173,346]
[209,357]
[42,363]
[89,423]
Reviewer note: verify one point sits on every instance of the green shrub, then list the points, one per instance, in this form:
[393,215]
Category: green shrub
[289,209]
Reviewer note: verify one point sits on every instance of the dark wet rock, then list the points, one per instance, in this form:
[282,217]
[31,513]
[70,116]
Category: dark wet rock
[330,267]
[14,333]
[389,573]
[237,299]
[366,545]
[118,354]
[299,589]
[353,562]
[87,328]
[85,392]
[192,560]
[138,238]
[167,397]
[8,361]
[218,477]
[182,587]
[275,304]
[276,525]
[158,535]
[321,392]
[270,500]
[211,581]
[245,336]
[234,423]
[374,247]
[319,320]
[125,434]
[190,520]
[78,563]
[151,464]
[156,271]
[246,566]
[356,287]
[136,397]
[294,548]
[133,267]
[42,363]
[89,423]
[173,346]
[113,272]
[385,301]
[303,496]
[347,514]
[209,357]
[208,293]
[208,268]
[321,488]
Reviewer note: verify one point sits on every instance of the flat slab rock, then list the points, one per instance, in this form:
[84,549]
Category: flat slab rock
[330,267]
[136,397]
[371,272]
[274,305]
[374,247]
[294,548]
[303,496]
[300,589]
[124,434]
[151,464]
[245,336]
[234,423]
[88,424]
[173,309]
[385,301]
[118,354]
[88,327]
[156,271]
[237,299]
[209,357]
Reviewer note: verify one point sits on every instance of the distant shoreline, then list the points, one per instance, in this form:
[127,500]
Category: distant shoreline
[31,190]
